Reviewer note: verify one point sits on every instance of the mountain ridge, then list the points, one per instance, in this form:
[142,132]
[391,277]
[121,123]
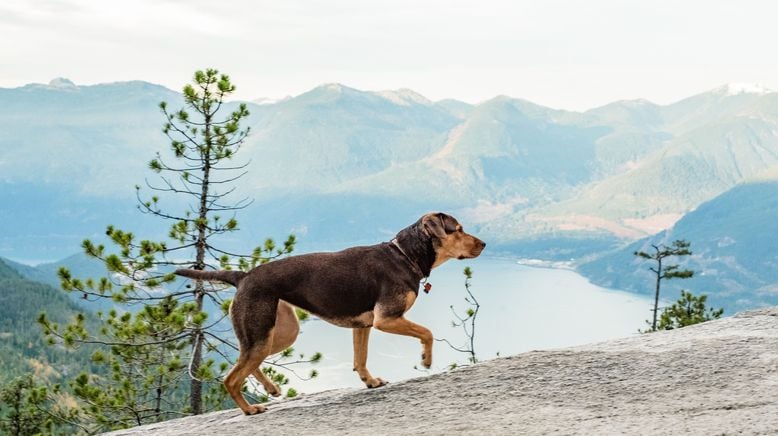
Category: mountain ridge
[523,171]
[732,238]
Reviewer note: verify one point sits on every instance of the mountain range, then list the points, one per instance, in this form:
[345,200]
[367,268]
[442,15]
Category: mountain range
[733,241]
[339,166]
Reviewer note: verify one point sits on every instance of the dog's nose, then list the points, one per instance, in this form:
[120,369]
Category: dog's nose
[482,244]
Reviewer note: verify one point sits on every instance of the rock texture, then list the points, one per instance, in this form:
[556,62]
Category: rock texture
[720,377]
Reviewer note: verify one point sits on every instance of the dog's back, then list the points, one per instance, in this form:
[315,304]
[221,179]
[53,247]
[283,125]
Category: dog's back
[331,285]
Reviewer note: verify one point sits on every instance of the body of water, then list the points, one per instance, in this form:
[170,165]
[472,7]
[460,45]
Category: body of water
[522,308]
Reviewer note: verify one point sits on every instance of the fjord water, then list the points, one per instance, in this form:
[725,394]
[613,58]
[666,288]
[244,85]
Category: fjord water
[522,309]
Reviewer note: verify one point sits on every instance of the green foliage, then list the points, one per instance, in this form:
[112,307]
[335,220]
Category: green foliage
[141,377]
[29,407]
[22,348]
[21,408]
[688,310]
[301,314]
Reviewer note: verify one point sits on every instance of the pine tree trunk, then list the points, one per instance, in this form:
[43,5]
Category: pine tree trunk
[158,400]
[196,386]
[656,297]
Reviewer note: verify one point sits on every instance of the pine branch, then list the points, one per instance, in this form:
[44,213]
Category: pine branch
[452,346]
[240,167]
[232,179]
[122,344]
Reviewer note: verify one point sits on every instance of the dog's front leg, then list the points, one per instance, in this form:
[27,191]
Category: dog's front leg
[361,336]
[401,326]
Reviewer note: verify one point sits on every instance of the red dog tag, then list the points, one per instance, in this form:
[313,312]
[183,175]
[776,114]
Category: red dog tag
[427,287]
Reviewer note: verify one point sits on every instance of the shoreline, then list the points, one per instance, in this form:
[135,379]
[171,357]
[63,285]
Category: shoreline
[567,265]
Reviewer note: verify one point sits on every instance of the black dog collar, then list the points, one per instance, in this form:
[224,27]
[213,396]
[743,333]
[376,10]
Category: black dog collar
[414,266]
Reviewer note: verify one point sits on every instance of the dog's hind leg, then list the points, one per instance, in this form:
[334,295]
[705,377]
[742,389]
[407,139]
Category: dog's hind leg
[270,387]
[247,363]
[284,334]
[361,336]
[254,325]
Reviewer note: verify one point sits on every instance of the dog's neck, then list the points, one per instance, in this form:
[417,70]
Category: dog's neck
[416,245]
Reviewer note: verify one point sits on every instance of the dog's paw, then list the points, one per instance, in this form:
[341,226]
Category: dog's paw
[274,391]
[376,382]
[426,360]
[254,409]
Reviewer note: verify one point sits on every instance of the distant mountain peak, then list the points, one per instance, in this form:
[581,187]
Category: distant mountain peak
[328,92]
[405,97]
[332,87]
[61,82]
[637,102]
[742,88]
[335,90]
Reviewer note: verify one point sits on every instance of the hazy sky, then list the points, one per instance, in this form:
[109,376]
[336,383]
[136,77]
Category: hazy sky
[565,54]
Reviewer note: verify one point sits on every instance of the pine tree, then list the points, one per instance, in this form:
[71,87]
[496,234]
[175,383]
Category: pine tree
[27,407]
[20,408]
[688,310]
[170,339]
[678,248]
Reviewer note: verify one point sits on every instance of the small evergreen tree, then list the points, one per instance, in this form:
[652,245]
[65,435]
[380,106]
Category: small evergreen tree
[466,321]
[686,311]
[20,409]
[162,336]
[28,408]
[678,248]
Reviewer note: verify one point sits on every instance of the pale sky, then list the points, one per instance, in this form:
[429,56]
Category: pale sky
[564,54]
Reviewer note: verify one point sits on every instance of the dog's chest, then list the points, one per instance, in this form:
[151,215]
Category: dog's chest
[410,298]
[364,319]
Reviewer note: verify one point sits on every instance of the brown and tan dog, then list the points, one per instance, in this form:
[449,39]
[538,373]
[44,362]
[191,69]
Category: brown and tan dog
[358,288]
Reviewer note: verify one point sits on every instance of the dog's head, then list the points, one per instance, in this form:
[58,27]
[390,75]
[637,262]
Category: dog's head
[449,238]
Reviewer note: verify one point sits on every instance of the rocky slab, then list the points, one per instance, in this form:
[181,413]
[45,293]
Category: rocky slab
[719,377]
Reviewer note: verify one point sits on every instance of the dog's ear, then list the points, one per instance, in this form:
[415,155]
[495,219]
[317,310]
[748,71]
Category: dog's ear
[434,225]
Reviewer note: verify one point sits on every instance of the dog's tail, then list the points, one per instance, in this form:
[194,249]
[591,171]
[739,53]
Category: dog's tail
[231,277]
